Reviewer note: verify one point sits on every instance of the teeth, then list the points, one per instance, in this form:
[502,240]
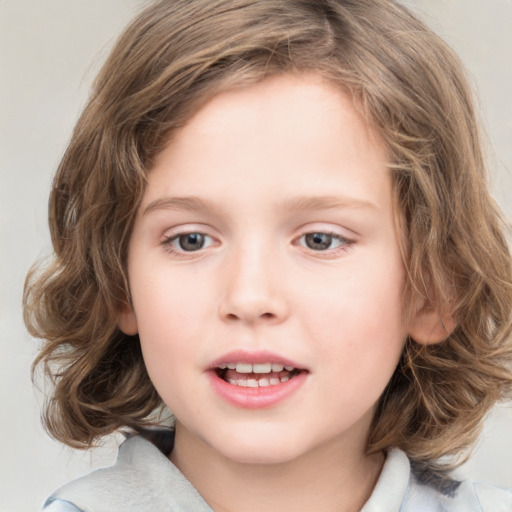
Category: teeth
[261,383]
[243,368]
[262,368]
[256,368]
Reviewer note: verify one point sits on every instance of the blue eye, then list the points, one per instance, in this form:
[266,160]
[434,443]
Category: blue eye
[189,242]
[321,241]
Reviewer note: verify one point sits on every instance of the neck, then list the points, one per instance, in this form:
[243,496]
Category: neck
[333,477]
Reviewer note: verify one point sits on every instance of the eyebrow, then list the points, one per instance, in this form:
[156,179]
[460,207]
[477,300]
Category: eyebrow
[327,203]
[301,203]
[181,203]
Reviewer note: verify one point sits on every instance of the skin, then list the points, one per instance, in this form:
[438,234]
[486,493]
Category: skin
[264,166]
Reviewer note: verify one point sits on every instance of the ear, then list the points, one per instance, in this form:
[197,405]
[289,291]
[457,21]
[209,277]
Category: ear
[128,321]
[429,326]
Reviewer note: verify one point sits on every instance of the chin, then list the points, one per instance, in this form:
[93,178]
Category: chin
[260,450]
[256,457]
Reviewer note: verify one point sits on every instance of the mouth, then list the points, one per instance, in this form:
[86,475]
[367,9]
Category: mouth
[259,375]
[256,381]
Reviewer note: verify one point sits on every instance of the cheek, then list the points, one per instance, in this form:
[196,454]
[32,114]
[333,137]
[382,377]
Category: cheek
[357,321]
[164,298]
[170,314]
[361,297]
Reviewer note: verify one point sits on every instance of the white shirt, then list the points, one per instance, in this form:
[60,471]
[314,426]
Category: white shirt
[144,479]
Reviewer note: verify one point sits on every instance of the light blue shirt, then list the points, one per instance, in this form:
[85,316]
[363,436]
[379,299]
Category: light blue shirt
[144,479]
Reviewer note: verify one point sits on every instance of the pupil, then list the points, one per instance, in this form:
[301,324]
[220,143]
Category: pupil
[319,241]
[191,241]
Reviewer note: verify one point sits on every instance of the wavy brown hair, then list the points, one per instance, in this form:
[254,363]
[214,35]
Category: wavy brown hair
[174,57]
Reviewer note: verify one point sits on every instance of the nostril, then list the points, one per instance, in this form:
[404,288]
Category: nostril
[268,316]
[252,308]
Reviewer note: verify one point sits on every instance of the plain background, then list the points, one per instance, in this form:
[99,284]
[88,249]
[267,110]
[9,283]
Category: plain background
[50,51]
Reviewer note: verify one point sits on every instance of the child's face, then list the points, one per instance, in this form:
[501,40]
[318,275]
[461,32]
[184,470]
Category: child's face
[266,235]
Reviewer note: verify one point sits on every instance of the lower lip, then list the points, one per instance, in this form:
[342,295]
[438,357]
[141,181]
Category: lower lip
[256,398]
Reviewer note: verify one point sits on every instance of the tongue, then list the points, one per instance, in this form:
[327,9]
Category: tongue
[234,375]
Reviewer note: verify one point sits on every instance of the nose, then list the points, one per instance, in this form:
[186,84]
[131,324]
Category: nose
[253,289]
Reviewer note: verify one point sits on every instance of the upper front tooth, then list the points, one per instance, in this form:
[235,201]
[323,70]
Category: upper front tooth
[262,368]
[258,368]
[243,368]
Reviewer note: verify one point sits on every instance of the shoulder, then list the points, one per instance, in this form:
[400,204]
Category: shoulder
[467,496]
[60,506]
[493,499]
[404,486]
[445,494]
[143,478]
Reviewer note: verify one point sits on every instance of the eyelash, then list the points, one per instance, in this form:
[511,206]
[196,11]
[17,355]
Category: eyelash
[344,243]
[169,243]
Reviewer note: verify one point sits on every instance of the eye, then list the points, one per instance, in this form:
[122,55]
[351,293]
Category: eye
[188,242]
[320,241]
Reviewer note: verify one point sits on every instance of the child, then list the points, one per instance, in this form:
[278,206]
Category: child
[272,218]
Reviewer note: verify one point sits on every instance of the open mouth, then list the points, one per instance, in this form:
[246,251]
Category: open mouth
[255,380]
[256,375]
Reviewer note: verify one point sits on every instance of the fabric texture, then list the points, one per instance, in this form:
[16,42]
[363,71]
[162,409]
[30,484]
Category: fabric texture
[144,479]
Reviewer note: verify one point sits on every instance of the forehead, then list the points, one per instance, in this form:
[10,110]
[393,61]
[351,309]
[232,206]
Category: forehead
[292,134]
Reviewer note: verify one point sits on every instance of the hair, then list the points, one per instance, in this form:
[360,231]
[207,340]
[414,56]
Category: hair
[173,58]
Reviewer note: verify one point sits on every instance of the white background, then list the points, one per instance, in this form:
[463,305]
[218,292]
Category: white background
[50,51]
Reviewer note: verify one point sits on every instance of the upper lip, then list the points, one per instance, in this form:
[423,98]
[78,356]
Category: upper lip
[256,357]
